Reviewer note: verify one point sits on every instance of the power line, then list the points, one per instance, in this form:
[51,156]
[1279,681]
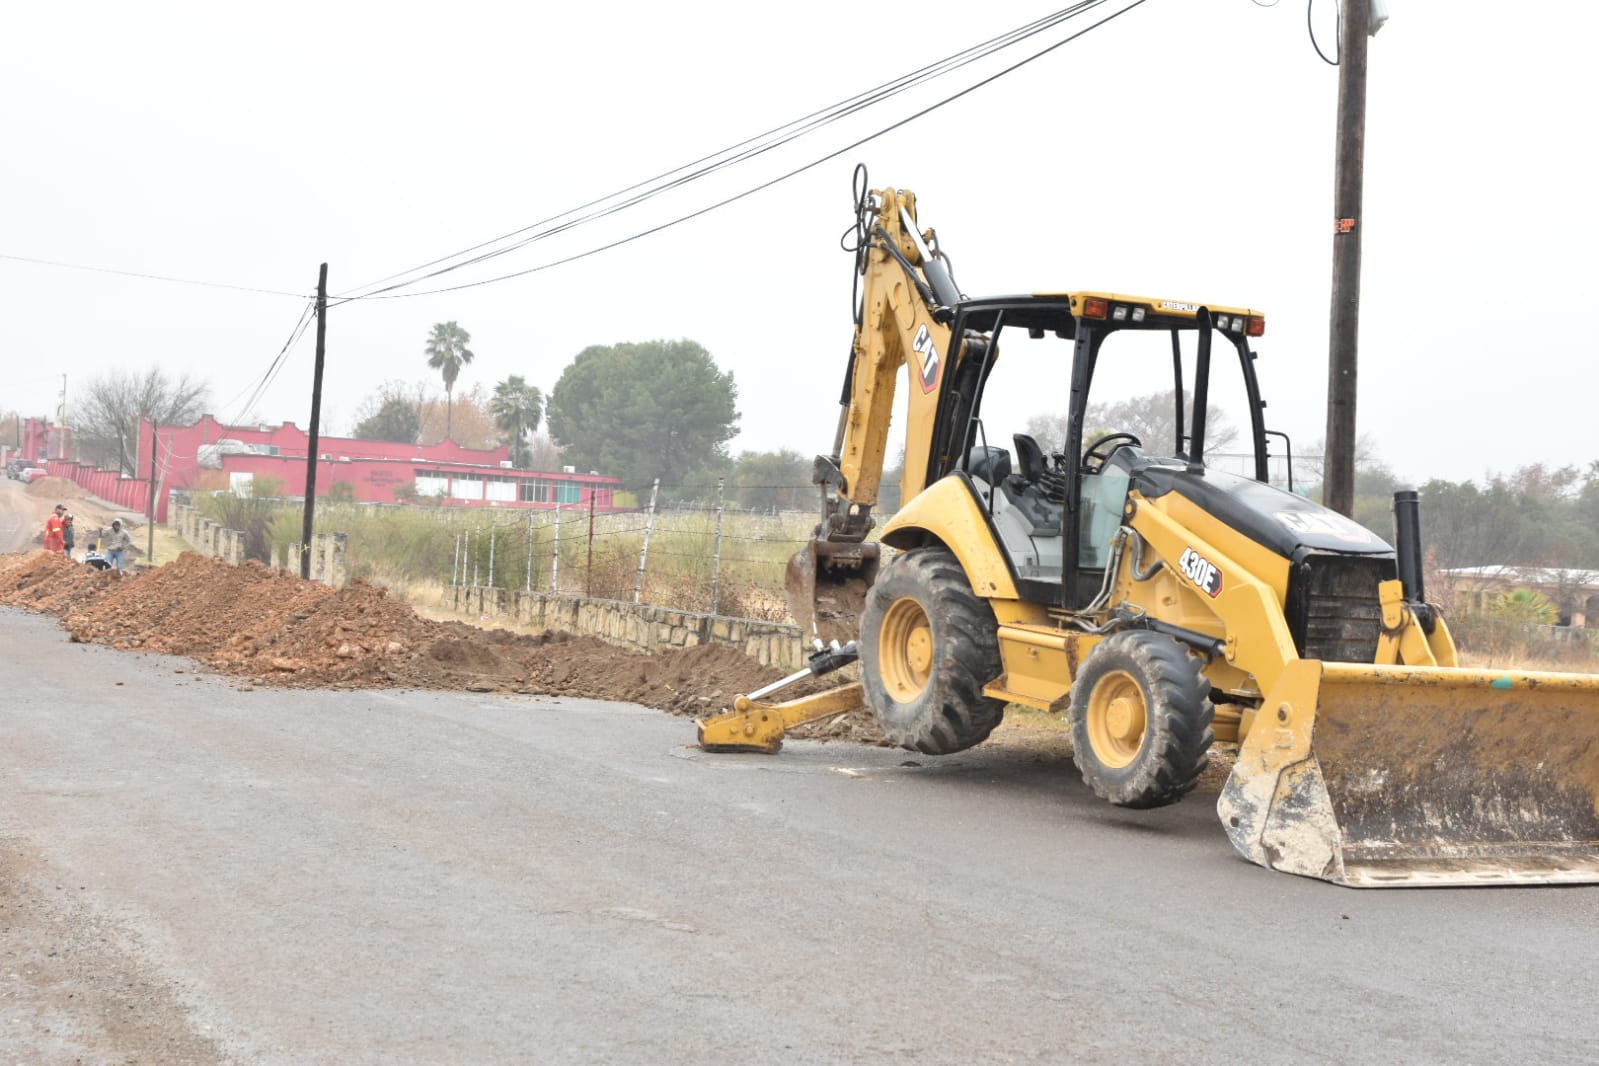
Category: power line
[739,152]
[274,368]
[146,277]
[390,292]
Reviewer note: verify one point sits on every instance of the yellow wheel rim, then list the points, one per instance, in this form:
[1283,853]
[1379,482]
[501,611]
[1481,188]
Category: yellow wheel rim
[905,647]
[1116,718]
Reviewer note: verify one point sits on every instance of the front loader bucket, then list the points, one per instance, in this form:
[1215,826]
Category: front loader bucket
[1377,776]
[826,583]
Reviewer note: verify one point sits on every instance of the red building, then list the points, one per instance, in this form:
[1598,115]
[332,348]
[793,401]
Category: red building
[209,455]
[42,440]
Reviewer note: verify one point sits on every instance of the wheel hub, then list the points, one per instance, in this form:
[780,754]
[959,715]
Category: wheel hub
[1117,715]
[906,649]
[1124,720]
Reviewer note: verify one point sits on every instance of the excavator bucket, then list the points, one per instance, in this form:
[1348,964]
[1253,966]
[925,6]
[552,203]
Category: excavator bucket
[1375,776]
[826,583]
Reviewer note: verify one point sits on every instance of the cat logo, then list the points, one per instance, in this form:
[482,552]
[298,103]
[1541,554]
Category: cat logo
[928,374]
[1201,571]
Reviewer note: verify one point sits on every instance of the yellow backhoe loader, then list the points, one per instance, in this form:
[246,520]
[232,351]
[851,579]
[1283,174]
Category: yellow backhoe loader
[1163,595]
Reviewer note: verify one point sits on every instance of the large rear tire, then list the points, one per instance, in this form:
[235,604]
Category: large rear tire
[1141,720]
[928,646]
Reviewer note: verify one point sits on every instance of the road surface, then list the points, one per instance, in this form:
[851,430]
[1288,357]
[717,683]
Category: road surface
[196,873]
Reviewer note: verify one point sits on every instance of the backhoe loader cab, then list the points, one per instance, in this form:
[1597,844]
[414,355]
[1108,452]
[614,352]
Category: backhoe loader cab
[1161,594]
[1056,519]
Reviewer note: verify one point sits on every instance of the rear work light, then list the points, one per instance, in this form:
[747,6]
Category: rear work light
[1095,308]
[1119,313]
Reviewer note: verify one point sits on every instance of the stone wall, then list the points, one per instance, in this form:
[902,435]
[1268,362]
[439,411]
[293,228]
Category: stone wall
[632,625]
[328,550]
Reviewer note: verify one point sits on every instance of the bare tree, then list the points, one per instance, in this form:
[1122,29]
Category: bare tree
[543,453]
[113,404]
[1152,418]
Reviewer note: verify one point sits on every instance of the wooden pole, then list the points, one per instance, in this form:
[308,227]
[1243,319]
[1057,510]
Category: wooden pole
[316,419]
[1338,485]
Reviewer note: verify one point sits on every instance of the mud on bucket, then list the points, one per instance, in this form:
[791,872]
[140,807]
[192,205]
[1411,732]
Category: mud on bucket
[1377,776]
[826,583]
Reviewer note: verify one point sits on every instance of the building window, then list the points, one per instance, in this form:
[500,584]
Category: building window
[501,489]
[568,492]
[429,483]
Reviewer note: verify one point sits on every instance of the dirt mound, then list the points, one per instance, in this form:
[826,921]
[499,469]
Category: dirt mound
[58,488]
[272,628]
[49,581]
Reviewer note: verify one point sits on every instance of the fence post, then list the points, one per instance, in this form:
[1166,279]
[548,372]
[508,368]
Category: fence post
[479,548]
[716,558]
[555,553]
[588,575]
[494,521]
[455,564]
[529,587]
[644,552]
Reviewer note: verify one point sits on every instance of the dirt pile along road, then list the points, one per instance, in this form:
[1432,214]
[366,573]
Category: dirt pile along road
[272,628]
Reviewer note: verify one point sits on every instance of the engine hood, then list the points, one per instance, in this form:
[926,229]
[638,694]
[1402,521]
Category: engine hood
[1279,520]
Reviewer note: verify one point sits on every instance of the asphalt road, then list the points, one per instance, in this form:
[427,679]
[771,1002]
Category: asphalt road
[195,873]
[21,517]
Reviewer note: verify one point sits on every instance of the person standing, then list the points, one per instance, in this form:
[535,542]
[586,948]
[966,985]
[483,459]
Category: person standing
[116,544]
[53,539]
[69,534]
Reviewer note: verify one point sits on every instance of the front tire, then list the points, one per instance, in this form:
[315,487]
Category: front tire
[928,646]
[1141,720]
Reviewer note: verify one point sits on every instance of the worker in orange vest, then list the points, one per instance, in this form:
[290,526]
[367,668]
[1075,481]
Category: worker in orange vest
[55,530]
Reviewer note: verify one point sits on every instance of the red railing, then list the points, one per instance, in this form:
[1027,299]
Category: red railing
[129,493]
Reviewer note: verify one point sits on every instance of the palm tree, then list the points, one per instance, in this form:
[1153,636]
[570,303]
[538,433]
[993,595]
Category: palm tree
[447,353]
[1525,607]
[517,408]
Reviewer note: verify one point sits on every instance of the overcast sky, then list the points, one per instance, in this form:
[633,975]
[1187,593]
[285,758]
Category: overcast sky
[1183,150]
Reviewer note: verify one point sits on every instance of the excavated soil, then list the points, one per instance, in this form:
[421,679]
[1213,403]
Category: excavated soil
[270,628]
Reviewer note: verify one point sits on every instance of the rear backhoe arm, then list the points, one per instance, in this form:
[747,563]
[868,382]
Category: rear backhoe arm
[903,318]
[903,321]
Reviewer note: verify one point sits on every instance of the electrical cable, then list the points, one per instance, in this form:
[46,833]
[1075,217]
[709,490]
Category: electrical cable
[390,292]
[146,277]
[1310,8]
[258,389]
[764,142]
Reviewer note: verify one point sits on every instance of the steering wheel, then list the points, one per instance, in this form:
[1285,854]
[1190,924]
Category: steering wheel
[1098,453]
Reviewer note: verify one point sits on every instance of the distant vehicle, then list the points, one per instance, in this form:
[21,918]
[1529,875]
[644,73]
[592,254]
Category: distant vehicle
[31,474]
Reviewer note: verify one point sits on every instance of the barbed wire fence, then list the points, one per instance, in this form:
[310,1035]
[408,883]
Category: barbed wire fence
[693,552]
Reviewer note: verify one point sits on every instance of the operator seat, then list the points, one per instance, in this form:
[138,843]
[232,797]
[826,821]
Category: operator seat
[1029,457]
[990,464]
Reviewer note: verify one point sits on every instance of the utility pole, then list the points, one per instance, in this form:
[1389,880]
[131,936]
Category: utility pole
[1338,485]
[316,420]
